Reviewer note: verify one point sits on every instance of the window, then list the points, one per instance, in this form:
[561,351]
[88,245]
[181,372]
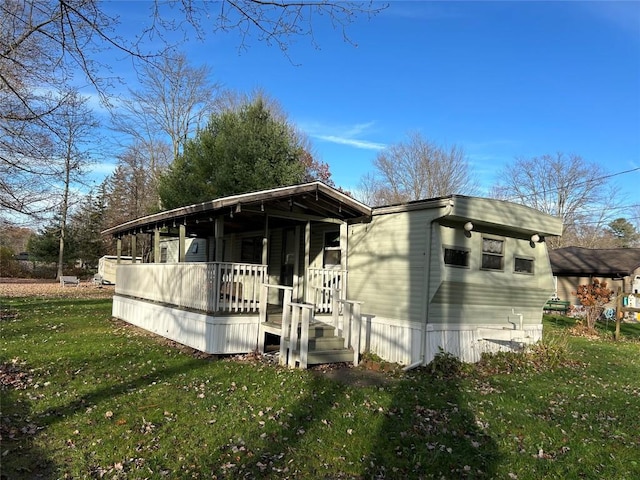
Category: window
[456,257]
[523,265]
[492,254]
[163,254]
[251,250]
[332,253]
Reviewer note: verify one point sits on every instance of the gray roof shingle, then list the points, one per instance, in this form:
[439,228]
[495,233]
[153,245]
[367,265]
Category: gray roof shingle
[607,262]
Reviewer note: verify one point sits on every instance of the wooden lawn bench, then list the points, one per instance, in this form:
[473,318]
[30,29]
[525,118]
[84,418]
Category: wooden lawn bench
[69,280]
[557,306]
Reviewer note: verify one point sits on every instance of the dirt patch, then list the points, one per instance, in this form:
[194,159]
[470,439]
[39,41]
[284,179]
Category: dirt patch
[360,376]
[27,287]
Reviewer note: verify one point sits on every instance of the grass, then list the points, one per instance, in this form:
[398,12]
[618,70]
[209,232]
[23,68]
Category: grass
[85,396]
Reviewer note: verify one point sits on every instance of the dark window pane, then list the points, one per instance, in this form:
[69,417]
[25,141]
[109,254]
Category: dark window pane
[524,265]
[456,257]
[493,262]
[332,257]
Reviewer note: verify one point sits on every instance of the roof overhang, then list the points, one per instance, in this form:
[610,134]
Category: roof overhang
[309,201]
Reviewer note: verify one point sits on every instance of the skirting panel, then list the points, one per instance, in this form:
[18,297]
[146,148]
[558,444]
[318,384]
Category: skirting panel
[216,335]
[399,342]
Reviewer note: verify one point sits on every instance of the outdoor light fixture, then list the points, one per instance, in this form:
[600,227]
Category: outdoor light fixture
[535,238]
[467,229]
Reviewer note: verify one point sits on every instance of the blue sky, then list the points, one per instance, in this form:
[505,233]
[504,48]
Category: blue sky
[500,79]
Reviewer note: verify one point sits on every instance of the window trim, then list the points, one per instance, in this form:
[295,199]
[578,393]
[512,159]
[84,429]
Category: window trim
[461,249]
[491,254]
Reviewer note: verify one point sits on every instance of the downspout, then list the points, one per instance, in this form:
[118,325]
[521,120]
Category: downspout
[426,302]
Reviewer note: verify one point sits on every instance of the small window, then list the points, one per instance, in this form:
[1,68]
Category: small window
[456,257]
[163,254]
[332,253]
[523,265]
[492,254]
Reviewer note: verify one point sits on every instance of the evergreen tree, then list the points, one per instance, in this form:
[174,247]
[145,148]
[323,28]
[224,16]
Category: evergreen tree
[240,150]
[624,232]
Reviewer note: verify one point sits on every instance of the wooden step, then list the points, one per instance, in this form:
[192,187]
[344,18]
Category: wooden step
[318,357]
[326,343]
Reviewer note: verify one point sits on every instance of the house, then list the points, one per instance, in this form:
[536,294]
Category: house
[574,266]
[462,274]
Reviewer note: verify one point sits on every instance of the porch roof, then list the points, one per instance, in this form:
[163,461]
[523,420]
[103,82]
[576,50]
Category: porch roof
[313,200]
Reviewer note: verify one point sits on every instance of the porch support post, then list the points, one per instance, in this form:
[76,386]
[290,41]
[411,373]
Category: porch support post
[181,243]
[118,249]
[307,260]
[156,245]
[219,234]
[296,265]
[133,248]
[265,241]
[344,252]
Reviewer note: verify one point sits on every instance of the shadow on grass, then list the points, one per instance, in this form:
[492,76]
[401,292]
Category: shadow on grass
[430,427]
[26,460]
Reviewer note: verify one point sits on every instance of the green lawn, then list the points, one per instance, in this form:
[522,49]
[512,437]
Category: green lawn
[84,396]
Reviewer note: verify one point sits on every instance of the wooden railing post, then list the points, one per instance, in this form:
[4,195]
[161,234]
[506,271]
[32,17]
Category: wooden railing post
[346,323]
[262,310]
[357,330]
[285,330]
[293,334]
[335,307]
[304,335]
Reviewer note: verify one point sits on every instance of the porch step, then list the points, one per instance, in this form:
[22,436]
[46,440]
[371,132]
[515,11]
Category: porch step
[326,343]
[316,357]
[325,346]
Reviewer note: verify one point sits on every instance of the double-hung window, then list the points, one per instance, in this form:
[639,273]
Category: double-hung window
[332,252]
[492,253]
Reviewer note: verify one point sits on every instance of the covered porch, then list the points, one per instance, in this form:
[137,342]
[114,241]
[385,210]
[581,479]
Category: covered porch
[268,258]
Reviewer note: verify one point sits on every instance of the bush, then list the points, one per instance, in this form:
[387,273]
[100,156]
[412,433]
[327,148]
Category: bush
[542,356]
[445,365]
[9,266]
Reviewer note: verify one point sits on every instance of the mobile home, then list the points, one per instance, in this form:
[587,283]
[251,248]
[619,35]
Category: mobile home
[461,274]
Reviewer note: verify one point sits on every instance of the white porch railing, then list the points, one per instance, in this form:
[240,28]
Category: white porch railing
[208,287]
[322,282]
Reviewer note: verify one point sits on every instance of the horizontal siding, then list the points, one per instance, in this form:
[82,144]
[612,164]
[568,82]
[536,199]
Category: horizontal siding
[387,264]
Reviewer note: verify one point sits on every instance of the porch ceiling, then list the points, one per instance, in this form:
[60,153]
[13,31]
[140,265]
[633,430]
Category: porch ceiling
[310,201]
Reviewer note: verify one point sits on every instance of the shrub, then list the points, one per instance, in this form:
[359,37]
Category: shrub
[593,297]
[445,365]
[542,356]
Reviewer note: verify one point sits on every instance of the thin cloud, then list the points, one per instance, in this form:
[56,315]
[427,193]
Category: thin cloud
[350,135]
[352,142]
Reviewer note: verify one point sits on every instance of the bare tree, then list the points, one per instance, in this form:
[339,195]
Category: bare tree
[565,186]
[44,44]
[74,125]
[417,169]
[173,101]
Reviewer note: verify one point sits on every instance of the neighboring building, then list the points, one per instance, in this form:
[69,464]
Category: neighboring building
[107,267]
[195,250]
[574,266]
[462,274]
